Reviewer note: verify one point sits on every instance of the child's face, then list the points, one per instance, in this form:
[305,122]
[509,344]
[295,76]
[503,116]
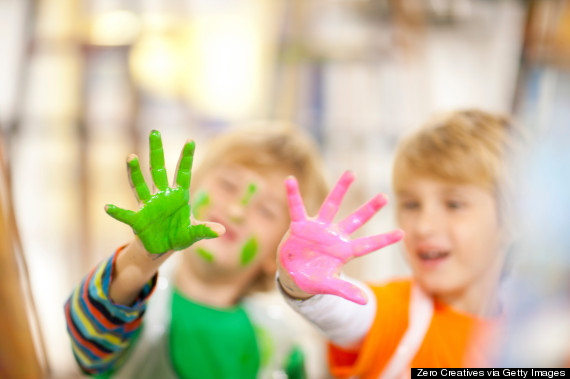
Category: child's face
[453,239]
[252,207]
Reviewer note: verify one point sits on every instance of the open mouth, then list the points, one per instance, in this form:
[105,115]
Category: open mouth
[434,254]
[433,257]
[230,235]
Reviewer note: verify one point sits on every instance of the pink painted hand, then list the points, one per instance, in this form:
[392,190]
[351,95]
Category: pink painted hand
[315,249]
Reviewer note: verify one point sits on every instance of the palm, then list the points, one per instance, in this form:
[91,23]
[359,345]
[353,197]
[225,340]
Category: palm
[321,244]
[316,249]
[163,220]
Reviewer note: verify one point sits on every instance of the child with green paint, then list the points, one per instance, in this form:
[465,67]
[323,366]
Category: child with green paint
[197,320]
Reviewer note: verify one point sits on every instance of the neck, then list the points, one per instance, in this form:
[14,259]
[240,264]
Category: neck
[214,290]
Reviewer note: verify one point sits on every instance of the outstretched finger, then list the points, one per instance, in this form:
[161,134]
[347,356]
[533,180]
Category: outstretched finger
[123,215]
[183,171]
[332,202]
[344,289]
[296,206]
[136,179]
[157,169]
[365,245]
[362,214]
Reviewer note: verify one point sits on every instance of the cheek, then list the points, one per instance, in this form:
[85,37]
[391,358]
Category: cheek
[249,251]
[256,249]
[405,222]
[408,249]
[200,203]
[481,245]
[409,234]
[264,241]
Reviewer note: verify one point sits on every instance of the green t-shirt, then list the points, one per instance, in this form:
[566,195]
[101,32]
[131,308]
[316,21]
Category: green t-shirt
[219,343]
[207,342]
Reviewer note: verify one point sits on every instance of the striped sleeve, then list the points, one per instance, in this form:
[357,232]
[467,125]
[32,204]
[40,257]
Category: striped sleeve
[100,330]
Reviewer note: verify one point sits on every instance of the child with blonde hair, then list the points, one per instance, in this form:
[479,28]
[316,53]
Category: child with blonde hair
[449,182]
[196,319]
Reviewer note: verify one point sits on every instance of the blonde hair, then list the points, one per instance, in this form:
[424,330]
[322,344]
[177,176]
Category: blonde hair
[466,147]
[270,147]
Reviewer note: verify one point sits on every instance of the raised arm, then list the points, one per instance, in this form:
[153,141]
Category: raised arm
[104,312]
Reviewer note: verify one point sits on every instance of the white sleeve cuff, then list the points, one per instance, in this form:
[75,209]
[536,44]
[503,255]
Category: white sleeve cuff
[343,322]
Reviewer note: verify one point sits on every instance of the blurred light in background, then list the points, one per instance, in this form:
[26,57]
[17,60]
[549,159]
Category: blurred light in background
[113,28]
[227,66]
[157,62]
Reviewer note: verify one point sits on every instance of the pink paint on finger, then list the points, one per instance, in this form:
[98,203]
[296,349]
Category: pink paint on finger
[365,245]
[362,215]
[332,202]
[296,206]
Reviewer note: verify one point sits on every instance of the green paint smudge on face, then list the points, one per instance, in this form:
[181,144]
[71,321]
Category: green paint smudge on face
[249,251]
[205,254]
[201,201]
[251,190]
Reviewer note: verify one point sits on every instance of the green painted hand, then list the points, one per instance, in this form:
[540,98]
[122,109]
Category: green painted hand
[163,221]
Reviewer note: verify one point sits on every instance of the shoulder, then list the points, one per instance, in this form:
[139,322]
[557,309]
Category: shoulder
[393,302]
[394,290]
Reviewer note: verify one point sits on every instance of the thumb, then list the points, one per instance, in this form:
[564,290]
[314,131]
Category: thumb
[123,215]
[205,230]
[215,227]
[344,289]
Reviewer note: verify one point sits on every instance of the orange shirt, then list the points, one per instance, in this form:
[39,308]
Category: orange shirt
[447,342]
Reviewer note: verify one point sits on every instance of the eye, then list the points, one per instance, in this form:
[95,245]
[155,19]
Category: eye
[409,205]
[227,185]
[266,211]
[454,204]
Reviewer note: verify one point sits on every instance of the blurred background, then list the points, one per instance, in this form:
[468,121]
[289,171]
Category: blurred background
[84,81]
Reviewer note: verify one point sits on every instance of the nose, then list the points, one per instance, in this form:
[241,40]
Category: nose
[429,220]
[236,212]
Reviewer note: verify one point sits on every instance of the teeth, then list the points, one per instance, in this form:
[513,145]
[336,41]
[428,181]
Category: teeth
[432,254]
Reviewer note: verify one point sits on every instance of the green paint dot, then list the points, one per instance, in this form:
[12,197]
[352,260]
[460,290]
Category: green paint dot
[249,251]
[251,190]
[201,202]
[266,345]
[205,254]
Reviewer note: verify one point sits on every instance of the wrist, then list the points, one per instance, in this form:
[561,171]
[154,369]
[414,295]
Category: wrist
[289,287]
[134,267]
[137,248]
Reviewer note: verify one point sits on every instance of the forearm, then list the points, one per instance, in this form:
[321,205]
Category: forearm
[133,269]
[100,330]
[344,322]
